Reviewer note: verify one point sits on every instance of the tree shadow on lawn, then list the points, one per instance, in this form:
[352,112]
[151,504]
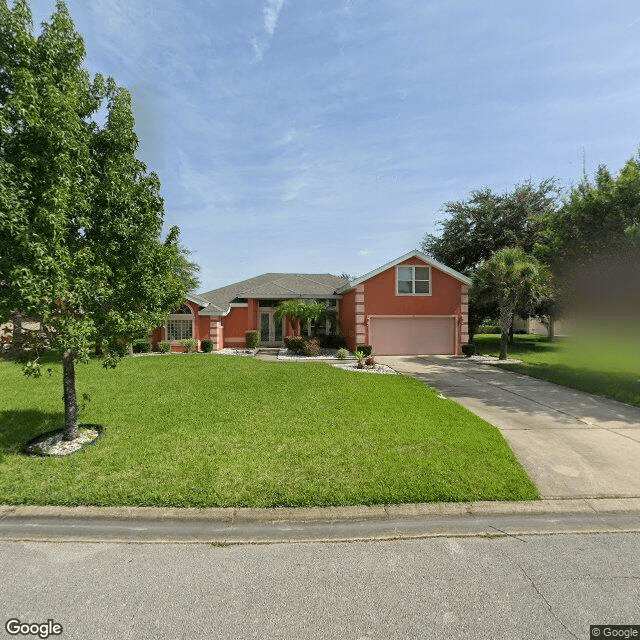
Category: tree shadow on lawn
[616,385]
[521,344]
[563,399]
[18,426]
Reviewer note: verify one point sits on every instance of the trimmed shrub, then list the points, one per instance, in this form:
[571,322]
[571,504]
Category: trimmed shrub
[190,344]
[142,346]
[333,342]
[311,348]
[294,343]
[488,328]
[342,354]
[253,339]
[366,349]
[206,346]
[469,349]
[164,346]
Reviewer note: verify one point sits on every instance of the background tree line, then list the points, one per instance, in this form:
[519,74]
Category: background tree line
[539,250]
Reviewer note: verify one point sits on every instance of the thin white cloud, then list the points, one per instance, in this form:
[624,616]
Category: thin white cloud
[290,136]
[364,252]
[294,188]
[270,14]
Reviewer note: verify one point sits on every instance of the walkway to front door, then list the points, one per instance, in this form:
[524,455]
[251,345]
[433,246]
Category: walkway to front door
[270,330]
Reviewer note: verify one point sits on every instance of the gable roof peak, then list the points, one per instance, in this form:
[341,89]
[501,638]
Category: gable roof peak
[411,254]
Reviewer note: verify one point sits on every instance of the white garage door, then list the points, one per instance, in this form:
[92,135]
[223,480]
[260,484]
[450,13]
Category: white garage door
[411,336]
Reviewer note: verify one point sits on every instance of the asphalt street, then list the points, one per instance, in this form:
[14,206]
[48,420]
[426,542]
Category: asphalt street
[545,586]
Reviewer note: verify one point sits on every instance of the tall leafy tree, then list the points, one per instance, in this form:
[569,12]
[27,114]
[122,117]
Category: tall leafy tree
[513,280]
[186,269]
[599,216]
[475,228]
[80,215]
[594,240]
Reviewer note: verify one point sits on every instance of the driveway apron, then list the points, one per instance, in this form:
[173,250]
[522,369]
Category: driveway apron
[572,444]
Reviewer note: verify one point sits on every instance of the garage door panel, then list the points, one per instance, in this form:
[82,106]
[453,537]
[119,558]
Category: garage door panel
[412,336]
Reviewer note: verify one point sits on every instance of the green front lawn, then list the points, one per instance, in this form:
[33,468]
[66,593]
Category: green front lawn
[210,430]
[608,368]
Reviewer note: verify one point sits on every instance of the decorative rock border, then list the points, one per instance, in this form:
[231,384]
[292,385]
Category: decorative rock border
[30,448]
[377,368]
[491,360]
[325,354]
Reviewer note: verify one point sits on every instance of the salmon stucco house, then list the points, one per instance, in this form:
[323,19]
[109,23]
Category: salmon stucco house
[411,305]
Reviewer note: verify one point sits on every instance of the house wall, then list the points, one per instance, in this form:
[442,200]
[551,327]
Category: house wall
[200,330]
[243,319]
[202,326]
[157,336]
[538,328]
[236,324]
[347,318]
[377,297]
[381,299]
[289,328]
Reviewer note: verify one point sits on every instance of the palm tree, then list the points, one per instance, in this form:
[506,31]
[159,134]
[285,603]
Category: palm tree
[300,313]
[512,279]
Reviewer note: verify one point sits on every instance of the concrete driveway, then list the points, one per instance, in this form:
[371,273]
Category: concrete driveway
[572,444]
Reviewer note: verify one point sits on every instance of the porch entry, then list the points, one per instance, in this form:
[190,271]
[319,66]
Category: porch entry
[271,332]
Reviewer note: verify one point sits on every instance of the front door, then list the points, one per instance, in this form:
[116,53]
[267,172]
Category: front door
[270,330]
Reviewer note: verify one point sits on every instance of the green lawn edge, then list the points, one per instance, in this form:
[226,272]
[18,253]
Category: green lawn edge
[222,431]
[610,372]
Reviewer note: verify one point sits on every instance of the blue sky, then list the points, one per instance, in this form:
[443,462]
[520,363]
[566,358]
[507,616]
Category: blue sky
[306,136]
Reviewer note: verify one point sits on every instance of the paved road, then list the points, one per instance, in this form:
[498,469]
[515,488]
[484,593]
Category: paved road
[572,444]
[511,588]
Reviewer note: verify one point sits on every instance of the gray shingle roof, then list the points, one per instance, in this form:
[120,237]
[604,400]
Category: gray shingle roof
[273,285]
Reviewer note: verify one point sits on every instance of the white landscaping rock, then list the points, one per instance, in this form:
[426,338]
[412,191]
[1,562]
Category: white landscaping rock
[377,368]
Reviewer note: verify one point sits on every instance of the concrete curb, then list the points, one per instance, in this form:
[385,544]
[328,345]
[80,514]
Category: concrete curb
[329,515]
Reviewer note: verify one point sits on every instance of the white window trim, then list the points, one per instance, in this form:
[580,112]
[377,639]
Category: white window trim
[179,316]
[413,278]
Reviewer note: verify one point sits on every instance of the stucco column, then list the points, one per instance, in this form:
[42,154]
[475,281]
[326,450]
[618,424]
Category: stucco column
[464,312]
[361,329]
[215,333]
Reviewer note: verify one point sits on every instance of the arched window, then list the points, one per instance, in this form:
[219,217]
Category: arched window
[180,324]
[183,310]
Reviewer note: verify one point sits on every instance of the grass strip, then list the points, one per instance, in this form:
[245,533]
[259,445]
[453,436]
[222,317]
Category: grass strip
[210,430]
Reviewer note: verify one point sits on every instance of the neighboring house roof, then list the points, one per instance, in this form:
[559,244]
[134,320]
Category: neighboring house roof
[272,285]
[412,254]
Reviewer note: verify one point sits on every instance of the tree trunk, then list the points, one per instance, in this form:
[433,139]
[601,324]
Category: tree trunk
[504,345]
[506,322]
[70,403]
[551,329]
[17,335]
